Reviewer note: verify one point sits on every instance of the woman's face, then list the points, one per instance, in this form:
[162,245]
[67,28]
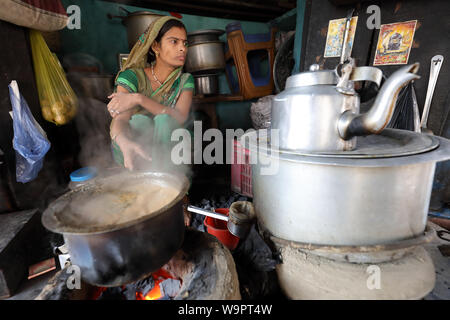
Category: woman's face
[173,47]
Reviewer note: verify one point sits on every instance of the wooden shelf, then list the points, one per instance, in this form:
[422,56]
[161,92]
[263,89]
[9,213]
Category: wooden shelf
[225,9]
[216,98]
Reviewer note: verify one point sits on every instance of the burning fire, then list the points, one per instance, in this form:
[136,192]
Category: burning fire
[155,293]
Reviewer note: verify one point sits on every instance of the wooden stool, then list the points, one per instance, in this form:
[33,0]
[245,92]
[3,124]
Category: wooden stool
[239,45]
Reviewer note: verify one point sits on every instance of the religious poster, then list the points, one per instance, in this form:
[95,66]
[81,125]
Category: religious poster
[394,43]
[335,36]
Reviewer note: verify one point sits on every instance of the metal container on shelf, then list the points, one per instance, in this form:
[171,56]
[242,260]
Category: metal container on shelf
[206,84]
[206,52]
[137,23]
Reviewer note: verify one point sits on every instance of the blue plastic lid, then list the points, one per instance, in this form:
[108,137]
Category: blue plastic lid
[83,174]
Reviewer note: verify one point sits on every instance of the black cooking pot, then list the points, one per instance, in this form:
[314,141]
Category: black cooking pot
[114,255]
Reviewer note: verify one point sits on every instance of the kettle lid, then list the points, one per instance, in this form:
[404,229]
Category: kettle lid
[313,77]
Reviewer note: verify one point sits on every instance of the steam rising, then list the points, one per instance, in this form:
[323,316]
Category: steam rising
[93,124]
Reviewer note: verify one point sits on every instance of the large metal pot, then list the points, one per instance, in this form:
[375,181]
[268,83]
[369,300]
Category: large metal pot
[137,23]
[114,255]
[372,195]
[205,54]
[205,58]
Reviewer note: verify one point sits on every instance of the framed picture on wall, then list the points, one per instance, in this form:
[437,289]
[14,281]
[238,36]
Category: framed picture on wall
[394,43]
[335,36]
[122,58]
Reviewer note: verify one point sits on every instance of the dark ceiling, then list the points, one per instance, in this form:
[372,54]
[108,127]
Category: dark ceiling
[249,10]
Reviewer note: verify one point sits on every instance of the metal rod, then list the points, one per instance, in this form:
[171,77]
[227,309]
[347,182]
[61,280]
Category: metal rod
[207,213]
[344,50]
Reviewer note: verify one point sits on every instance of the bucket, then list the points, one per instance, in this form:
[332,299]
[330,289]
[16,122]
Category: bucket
[219,229]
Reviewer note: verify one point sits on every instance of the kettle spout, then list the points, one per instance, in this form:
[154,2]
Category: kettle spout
[379,115]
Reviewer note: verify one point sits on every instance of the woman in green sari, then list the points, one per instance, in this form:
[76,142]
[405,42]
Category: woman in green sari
[152,97]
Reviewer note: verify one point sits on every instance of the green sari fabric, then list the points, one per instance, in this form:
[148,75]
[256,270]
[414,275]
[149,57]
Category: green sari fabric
[149,130]
[152,130]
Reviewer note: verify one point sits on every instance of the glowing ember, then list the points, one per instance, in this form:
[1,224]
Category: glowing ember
[155,294]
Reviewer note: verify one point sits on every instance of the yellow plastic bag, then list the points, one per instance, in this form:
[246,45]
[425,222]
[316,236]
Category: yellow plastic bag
[59,103]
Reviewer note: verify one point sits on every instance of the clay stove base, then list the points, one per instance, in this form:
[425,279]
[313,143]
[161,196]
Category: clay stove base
[213,275]
[206,267]
[411,277]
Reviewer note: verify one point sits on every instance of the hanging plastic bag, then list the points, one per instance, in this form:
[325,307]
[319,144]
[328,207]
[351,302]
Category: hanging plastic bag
[58,101]
[30,141]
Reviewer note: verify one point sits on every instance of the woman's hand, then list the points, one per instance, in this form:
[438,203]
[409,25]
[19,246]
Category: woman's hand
[132,152]
[121,102]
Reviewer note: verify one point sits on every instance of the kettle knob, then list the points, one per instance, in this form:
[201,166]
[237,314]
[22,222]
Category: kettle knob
[314,67]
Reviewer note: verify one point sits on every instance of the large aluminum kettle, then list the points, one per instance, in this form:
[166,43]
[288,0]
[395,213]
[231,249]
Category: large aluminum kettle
[319,110]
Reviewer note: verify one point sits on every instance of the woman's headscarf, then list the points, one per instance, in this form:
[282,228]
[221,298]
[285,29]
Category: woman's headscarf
[138,55]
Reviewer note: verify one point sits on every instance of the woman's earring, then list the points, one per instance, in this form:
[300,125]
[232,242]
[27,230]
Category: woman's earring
[157,53]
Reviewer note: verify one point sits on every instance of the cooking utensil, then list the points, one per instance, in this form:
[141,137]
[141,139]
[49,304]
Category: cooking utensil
[240,218]
[206,84]
[119,253]
[137,23]
[205,58]
[436,63]
[378,193]
[205,54]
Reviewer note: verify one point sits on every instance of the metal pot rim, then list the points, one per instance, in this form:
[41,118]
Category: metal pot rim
[143,13]
[127,18]
[217,32]
[192,44]
[439,151]
[206,75]
[50,222]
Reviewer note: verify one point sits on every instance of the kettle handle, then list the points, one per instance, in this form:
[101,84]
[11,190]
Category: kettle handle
[367,74]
